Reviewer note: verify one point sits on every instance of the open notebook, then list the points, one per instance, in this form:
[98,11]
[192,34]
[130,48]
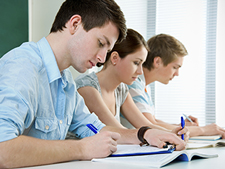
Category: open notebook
[156,160]
[132,150]
[193,144]
[207,138]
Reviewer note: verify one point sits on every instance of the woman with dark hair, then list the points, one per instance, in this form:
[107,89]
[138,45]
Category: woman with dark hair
[106,92]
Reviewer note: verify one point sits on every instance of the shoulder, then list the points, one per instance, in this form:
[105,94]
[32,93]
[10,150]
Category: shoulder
[26,54]
[87,80]
[23,62]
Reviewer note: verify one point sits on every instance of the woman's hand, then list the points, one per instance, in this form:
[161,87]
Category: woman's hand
[179,131]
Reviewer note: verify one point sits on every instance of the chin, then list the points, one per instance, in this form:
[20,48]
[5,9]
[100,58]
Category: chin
[165,82]
[81,70]
[130,83]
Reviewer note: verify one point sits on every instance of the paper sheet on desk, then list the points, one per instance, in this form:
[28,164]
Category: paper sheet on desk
[131,150]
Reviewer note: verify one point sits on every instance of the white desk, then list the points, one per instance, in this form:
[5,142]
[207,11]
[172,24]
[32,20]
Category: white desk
[211,163]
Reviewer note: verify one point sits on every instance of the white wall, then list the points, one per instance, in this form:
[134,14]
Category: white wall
[220,61]
[41,16]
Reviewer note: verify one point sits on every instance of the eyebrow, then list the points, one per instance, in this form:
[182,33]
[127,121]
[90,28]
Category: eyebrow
[139,59]
[178,65]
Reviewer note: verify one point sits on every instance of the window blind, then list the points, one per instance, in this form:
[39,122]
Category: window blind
[193,22]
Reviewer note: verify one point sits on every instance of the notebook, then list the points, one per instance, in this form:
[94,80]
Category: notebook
[208,138]
[132,150]
[156,160]
[193,144]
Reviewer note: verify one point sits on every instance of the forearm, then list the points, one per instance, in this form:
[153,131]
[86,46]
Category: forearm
[208,130]
[157,126]
[110,120]
[196,131]
[161,125]
[27,151]
[165,125]
[128,136]
[153,136]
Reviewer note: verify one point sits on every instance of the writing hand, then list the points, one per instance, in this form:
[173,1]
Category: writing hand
[100,145]
[193,123]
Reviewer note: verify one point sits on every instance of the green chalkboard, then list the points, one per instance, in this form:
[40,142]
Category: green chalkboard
[13,24]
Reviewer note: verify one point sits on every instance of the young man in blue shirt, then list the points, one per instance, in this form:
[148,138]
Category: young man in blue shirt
[162,64]
[39,102]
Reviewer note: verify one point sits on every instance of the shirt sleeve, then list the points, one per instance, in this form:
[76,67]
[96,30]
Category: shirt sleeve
[87,80]
[18,89]
[82,117]
[141,98]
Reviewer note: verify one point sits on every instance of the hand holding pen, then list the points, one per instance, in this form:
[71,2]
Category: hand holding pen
[182,131]
[176,130]
[191,121]
[102,144]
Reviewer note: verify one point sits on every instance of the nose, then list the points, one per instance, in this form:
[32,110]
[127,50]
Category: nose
[101,56]
[177,73]
[139,70]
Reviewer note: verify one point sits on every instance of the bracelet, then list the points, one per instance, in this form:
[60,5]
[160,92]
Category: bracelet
[141,133]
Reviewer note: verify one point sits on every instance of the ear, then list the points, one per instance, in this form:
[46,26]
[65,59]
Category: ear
[114,58]
[157,61]
[74,22]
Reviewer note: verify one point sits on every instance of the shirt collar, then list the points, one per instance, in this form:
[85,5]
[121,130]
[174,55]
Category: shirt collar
[49,60]
[141,78]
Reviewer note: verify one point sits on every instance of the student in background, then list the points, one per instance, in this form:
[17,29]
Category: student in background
[162,64]
[39,102]
[106,94]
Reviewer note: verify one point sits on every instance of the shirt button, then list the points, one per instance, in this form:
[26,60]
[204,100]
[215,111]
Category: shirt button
[60,121]
[47,127]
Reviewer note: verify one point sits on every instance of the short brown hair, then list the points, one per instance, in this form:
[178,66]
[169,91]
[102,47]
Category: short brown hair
[166,47]
[94,13]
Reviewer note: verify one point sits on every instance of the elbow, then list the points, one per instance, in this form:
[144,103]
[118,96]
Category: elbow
[2,162]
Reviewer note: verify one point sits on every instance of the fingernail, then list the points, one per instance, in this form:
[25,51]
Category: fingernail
[179,133]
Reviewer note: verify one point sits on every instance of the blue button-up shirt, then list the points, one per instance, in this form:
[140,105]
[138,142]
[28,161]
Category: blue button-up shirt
[37,98]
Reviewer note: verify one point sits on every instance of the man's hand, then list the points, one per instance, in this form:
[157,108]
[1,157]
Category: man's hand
[213,129]
[193,123]
[100,145]
[159,138]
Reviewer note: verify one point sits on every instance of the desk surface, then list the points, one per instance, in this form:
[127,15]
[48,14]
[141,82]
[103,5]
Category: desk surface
[217,163]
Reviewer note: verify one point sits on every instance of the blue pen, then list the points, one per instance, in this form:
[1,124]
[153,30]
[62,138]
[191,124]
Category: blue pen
[92,128]
[182,125]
